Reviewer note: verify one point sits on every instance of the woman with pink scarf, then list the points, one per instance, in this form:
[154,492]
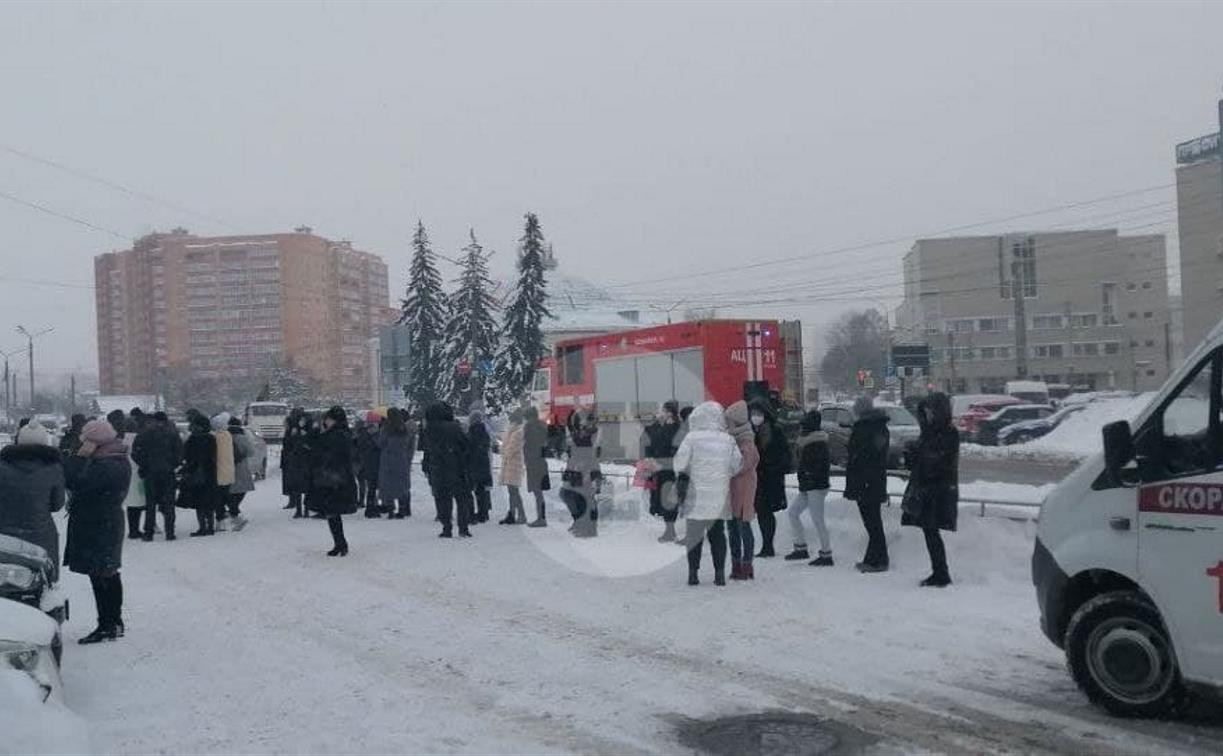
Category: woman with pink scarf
[98,475]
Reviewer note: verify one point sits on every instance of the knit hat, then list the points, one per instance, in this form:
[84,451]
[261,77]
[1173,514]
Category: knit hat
[99,432]
[234,421]
[33,434]
[738,424]
[160,416]
[220,420]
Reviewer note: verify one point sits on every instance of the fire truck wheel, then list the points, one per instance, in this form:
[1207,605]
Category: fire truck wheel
[1119,653]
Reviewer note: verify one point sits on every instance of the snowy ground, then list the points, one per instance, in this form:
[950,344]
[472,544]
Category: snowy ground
[527,641]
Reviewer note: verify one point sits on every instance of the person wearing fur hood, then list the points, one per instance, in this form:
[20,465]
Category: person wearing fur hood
[742,493]
[710,457]
[31,489]
[813,467]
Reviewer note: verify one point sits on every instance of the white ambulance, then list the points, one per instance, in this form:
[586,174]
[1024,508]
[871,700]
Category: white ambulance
[1128,564]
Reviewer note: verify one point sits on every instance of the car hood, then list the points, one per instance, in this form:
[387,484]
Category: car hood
[25,624]
[1025,425]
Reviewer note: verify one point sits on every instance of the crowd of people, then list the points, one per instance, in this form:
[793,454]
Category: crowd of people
[722,470]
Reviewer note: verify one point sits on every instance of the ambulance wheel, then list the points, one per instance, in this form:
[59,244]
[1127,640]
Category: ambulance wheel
[1119,653]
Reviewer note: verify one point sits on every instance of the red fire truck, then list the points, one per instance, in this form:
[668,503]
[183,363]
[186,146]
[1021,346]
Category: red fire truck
[626,376]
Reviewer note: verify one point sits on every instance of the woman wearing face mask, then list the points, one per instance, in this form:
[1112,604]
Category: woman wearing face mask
[771,473]
[932,500]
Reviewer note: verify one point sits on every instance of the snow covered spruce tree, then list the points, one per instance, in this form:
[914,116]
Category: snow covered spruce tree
[471,331]
[424,313]
[522,338]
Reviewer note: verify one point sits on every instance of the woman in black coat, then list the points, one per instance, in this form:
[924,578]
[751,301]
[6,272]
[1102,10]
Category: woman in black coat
[197,477]
[445,463]
[866,479]
[932,500]
[334,492]
[98,476]
[31,488]
[775,462]
[295,461]
[479,464]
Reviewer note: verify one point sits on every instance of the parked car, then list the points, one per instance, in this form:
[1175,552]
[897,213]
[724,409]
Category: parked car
[25,578]
[968,421]
[839,420]
[30,647]
[1030,430]
[987,428]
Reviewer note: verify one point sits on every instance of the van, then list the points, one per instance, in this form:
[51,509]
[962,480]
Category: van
[1128,561]
[1032,392]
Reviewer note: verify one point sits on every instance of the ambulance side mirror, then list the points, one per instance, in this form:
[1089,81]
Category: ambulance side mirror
[1118,448]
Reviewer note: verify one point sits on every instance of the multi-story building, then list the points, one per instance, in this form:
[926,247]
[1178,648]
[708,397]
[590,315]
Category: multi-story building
[1199,201]
[237,307]
[1095,307]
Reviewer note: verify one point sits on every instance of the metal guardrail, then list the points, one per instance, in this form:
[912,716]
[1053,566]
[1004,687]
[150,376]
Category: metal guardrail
[981,503]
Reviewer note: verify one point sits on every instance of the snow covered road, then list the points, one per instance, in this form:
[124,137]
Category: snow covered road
[526,641]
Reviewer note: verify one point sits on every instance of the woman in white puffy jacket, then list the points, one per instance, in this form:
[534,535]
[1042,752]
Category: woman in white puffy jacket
[710,457]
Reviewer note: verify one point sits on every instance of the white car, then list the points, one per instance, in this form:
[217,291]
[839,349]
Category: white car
[29,647]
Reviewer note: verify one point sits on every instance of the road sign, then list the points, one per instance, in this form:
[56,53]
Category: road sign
[911,355]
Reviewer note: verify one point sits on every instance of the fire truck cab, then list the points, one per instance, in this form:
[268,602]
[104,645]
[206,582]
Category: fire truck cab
[1128,562]
[626,376]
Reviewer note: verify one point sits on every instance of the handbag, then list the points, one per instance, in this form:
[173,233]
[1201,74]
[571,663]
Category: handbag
[914,501]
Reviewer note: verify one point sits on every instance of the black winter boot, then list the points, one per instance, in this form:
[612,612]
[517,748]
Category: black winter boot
[692,577]
[800,552]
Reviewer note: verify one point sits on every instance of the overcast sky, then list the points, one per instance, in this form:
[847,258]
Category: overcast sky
[655,141]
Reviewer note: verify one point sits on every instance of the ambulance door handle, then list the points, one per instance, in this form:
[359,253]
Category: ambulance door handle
[1119,523]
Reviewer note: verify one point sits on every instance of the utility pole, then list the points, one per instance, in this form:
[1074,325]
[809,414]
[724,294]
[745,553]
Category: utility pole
[29,337]
[72,395]
[951,383]
[1021,323]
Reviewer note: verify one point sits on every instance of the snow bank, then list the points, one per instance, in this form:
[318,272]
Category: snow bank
[32,726]
[1076,438]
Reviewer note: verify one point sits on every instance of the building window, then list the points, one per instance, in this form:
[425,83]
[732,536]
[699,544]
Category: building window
[1084,320]
[993,325]
[1085,349]
[1150,342]
[1133,315]
[1147,315]
[1048,351]
[961,325]
[1131,287]
[1046,322]
[1112,347]
[1146,284]
[1108,303]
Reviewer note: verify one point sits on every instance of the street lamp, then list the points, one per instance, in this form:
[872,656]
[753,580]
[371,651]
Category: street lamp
[8,397]
[29,337]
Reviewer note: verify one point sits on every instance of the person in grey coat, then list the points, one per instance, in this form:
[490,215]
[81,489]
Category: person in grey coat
[397,446]
[31,488]
[534,443]
[244,480]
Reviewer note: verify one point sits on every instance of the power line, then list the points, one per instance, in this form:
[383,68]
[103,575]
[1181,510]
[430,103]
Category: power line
[901,239]
[136,193]
[64,216]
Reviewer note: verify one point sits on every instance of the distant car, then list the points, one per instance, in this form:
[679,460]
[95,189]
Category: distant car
[1030,430]
[987,428]
[838,421]
[967,422]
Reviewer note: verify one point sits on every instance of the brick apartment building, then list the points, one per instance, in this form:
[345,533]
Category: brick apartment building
[236,307]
